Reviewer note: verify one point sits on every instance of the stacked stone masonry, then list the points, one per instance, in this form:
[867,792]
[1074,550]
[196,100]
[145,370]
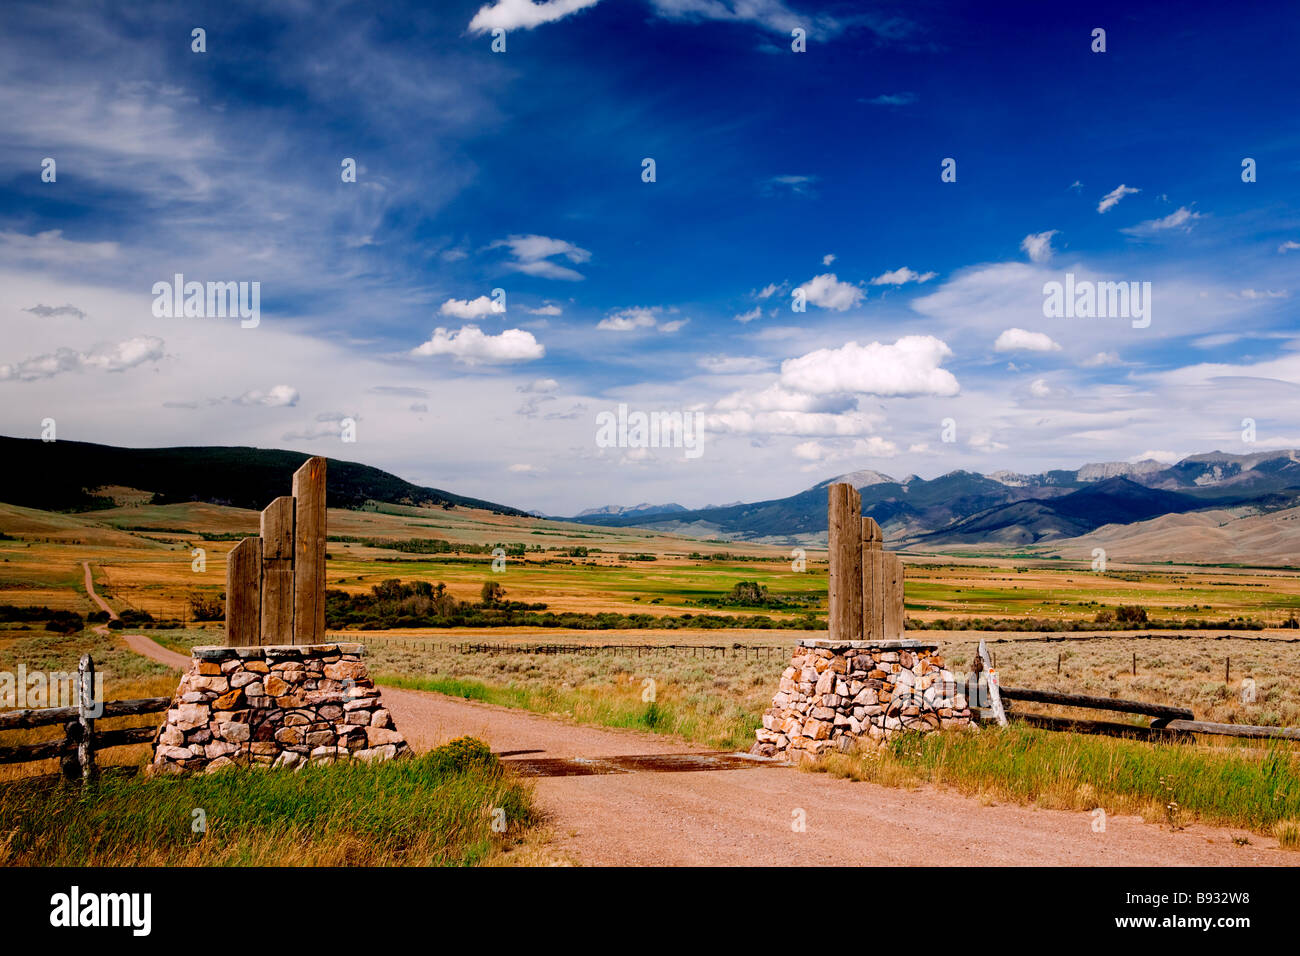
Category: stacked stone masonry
[835,695]
[275,706]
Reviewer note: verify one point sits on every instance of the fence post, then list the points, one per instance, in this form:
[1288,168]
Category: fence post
[277,572]
[244,593]
[991,679]
[86,705]
[309,552]
[844,550]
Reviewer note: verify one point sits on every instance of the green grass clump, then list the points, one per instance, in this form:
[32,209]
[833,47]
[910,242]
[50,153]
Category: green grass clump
[437,809]
[1256,788]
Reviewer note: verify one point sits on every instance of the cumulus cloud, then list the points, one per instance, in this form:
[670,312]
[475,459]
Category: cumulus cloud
[1020,340]
[533,255]
[828,258]
[828,292]
[109,357]
[277,396]
[902,277]
[52,311]
[911,366]
[470,308]
[525,14]
[1114,196]
[1038,245]
[470,346]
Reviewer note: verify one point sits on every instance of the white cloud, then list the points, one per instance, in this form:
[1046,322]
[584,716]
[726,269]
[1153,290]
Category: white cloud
[731,364]
[1264,294]
[828,258]
[1288,246]
[911,366]
[749,316]
[116,357]
[471,346]
[277,396]
[1013,340]
[902,277]
[50,248]
[1179,218]
[628,320]
[1039,388]
[469,308]
[525,14]
[639,317]
[539,385]
[871,447]
[533,256]
[548,309]
[522,469]
[1101,359]
[1114,196]
[828,292]
[1038,245]
[769,290]
[1168,457]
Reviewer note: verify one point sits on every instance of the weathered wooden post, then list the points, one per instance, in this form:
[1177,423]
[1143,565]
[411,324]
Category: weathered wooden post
[309,553]
[277,572]
[844,582]
[991,677]
[244,593]
[882,587]
[86,706]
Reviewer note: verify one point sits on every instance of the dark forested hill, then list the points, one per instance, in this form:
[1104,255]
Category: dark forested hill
[63,476]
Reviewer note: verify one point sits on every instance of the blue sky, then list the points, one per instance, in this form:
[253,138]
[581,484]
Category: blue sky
[775,170]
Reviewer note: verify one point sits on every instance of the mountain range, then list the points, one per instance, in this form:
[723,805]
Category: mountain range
[1004,508]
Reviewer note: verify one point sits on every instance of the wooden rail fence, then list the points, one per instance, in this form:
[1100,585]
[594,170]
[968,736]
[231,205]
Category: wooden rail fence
[77,749]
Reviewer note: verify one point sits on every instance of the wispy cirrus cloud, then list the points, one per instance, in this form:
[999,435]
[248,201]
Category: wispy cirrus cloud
[1113,197]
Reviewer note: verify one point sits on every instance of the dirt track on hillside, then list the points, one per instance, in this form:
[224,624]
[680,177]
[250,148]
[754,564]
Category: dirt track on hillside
[745,817]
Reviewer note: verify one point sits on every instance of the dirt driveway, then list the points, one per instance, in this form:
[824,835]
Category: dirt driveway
[749,817]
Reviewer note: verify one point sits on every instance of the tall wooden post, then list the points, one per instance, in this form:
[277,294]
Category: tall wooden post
[244,593]
[844,585]
[882,586]
[277,572]
[309,553]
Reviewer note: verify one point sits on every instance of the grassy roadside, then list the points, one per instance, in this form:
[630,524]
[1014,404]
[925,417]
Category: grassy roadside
[438,809]
[1256,789]
[723,726]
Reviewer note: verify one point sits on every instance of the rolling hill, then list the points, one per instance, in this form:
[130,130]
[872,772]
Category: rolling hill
[70,476]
